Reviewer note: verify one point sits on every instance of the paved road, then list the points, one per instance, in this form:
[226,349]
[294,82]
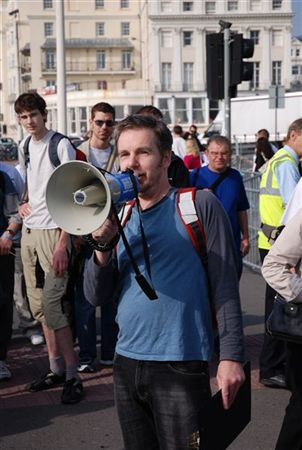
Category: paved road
[38,421]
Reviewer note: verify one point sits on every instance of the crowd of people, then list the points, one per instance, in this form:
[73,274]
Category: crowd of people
[158,287]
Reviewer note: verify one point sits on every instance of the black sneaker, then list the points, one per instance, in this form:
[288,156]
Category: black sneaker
[48,381]
[72,391]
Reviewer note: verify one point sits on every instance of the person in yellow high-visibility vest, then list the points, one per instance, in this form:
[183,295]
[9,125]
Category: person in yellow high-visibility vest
[276,187]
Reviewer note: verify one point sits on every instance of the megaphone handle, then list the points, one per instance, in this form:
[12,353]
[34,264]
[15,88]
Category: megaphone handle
[102,247]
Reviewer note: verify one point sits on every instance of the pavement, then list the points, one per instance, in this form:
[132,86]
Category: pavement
[31,421]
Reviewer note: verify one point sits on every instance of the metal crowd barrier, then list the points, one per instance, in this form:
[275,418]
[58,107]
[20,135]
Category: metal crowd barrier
[251,183]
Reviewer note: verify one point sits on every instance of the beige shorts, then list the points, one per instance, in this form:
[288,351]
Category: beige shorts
[45,303]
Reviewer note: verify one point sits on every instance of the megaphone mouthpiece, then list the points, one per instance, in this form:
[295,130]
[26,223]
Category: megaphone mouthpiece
[92,194]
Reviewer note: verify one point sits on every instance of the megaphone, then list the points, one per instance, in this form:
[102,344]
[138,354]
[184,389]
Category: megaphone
[79,197]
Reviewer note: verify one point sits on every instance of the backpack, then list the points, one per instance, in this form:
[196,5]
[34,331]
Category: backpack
[53,149]
[185,202]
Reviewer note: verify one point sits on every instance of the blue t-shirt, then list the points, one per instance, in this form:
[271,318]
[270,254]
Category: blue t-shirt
[230,192]
[178,325]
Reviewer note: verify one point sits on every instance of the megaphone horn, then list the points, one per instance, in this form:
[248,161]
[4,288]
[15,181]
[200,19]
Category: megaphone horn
[79,196]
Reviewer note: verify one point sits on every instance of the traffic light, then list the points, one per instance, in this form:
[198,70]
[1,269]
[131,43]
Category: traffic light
[240,49]
[215,68]
[240,70]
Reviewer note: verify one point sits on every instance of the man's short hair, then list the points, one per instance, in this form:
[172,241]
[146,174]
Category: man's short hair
[263,131]
[29,102]
[138,122]
[295,126]
[177,129]
[104,108]
[221,140]
[150,110]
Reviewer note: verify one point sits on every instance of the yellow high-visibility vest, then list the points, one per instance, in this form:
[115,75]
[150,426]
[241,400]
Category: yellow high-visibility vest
[271,205]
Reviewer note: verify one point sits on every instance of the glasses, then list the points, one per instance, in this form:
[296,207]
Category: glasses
[108,123]
[215,155]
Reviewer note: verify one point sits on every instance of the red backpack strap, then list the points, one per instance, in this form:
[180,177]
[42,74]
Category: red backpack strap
[80,156]
[187,211]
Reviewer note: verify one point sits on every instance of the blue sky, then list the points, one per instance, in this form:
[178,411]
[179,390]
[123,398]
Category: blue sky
[297,20]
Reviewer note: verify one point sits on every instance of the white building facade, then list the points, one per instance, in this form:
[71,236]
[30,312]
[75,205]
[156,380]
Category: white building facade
[135,52]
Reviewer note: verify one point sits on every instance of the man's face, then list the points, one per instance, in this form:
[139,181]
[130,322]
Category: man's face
[33,121]
[138,150]
[219,157]
[102,126]
[192,130]
[295,142]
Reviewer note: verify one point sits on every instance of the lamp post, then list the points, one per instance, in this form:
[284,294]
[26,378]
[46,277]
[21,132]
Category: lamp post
[61,70]
[15,14]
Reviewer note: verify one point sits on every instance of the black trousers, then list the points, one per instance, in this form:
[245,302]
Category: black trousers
[290,437]
[272,356]
[6,302]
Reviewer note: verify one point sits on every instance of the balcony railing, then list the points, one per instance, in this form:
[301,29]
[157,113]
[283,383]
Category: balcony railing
[75,66]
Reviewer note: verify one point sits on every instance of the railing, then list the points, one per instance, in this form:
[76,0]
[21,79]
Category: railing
[77,66]
[243,162]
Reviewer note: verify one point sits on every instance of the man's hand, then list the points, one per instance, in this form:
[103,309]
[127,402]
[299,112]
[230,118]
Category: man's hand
[230,376]
[104,235]
[5,246]
[60,260]
[245,246]
[24,210]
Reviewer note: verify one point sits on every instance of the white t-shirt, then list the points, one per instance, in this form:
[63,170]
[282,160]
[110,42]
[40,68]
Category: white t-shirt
[179,146]
[39,170]
[99,157]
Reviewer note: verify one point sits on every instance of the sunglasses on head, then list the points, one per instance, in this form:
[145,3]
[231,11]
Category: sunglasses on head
[100,123]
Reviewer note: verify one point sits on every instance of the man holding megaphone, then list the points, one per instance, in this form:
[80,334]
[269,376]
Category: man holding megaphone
[164,344]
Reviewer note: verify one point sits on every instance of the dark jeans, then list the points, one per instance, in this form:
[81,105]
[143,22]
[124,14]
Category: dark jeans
[6,302]
[160,404]
[290,436]
[272,356]
[86,327]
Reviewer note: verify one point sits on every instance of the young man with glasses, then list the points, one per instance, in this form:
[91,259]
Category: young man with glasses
[101,154]
[45,244]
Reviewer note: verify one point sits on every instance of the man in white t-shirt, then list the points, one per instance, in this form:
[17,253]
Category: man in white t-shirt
[100,153]
[45,249]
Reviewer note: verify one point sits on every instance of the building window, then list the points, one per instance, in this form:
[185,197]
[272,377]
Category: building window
[124,3]
[99,4]
[50,60]
[83,119]
[48,29]
[187,38]
[187,6]
[50,83]
[100,29]
[255,5]
[198,110]
[125,28]
[276,69]
[166,72]
[254,35]
[181,115]
[102,84]
[210,7]
[163,105]
[277,38]
[295,70]
[101,59]
[232,6]
[126,59]
[47,4]
[254,83]
[188,76]
[165,7]
[166,39]
[297,52]
[277,4]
